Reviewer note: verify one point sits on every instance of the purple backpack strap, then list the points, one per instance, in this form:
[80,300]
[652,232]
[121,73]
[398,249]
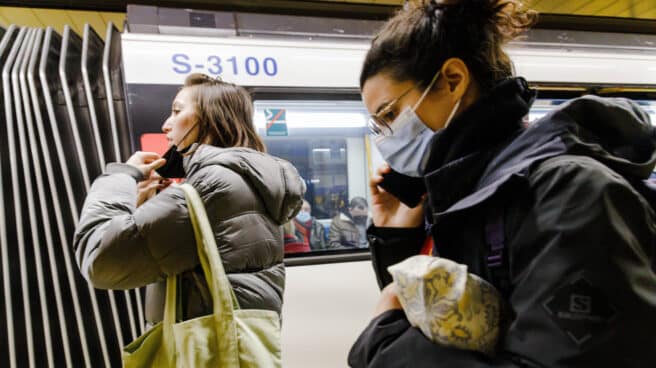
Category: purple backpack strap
[495,239]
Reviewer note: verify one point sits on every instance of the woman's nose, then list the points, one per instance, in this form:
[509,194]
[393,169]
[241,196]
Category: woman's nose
[166,127]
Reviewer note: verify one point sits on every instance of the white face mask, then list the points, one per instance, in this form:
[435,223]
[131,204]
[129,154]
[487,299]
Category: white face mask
[405,149]
[303,216]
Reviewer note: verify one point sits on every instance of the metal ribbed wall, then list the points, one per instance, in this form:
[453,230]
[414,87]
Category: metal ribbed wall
[62,117]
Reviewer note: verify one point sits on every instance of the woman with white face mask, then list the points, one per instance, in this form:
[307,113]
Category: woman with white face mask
[554,215]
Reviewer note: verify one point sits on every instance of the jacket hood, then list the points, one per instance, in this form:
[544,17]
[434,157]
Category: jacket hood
[277,181]
[614,131]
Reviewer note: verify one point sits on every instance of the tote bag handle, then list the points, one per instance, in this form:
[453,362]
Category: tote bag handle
[223,297]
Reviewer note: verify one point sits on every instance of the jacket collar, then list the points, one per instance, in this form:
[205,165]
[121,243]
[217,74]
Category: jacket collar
[188,155]
[459,154]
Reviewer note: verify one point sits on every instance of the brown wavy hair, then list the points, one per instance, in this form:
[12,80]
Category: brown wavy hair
[224,112]
[421,36]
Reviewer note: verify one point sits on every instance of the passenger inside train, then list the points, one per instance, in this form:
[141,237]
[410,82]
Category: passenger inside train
[349,228]
[310,231]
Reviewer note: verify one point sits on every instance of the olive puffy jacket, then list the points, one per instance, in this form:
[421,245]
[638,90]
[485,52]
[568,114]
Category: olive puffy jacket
[248,196]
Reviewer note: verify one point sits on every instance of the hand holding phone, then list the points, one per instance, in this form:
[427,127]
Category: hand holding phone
[407,189]
[396,199]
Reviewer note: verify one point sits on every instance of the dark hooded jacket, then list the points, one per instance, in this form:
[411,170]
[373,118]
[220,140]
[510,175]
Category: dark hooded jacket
[577,234]
[248,196]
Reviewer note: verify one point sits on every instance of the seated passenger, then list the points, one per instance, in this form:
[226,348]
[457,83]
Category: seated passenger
[293,244]
[308,230]
[349,229]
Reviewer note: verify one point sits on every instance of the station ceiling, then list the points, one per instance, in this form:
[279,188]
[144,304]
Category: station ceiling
[57,13]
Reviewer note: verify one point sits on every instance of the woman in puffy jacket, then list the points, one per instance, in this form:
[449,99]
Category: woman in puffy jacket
[129,236]
[556,215]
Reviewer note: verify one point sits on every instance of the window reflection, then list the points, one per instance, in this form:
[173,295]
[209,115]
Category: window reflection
[325,141]
[322,164]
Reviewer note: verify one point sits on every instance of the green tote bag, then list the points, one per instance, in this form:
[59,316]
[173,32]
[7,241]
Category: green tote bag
[230,337]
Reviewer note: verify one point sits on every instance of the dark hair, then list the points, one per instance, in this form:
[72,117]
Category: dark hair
[414,43]
[224,112]
[358,201]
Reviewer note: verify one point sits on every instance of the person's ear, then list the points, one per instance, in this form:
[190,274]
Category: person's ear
[457,77]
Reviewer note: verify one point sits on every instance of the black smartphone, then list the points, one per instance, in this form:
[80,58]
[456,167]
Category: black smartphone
[407,189]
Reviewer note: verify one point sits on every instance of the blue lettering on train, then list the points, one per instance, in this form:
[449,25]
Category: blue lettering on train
[182,63]
[218,65]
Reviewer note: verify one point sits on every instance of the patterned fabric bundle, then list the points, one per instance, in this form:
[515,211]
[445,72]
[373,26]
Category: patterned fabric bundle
[449,305]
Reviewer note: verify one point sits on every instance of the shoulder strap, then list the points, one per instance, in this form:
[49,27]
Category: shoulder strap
[223,296]
[495,241]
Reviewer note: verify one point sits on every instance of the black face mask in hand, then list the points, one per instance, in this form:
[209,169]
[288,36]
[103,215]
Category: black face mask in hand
[173,168]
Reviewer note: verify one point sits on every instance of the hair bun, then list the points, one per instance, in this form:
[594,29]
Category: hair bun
[510,17]
[435,7]
[424,33]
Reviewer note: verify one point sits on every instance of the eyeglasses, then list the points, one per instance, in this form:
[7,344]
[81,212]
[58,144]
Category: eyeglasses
[379,123]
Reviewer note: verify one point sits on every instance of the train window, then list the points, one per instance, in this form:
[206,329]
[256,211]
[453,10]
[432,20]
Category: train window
[326,142]
[322,163]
